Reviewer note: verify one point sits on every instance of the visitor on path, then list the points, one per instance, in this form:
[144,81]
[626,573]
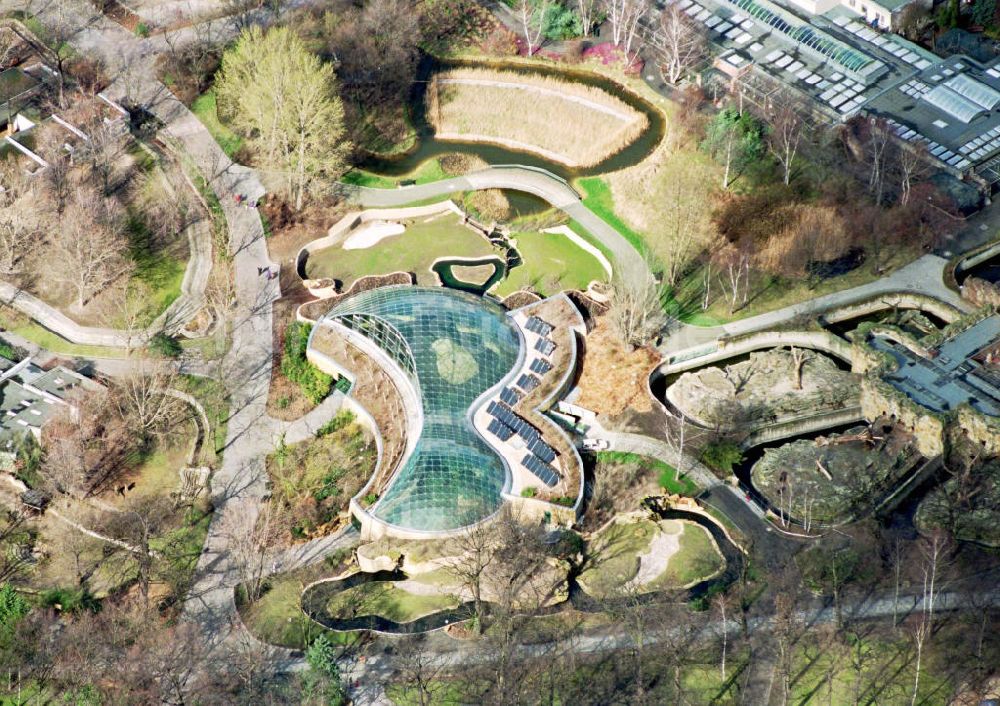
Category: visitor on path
[260,270]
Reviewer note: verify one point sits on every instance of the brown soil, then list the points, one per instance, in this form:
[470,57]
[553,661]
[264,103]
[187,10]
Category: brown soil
[614,379]
[285,400]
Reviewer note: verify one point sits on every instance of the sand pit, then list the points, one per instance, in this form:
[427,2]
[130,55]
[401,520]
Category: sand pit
[369,234]
[653,562]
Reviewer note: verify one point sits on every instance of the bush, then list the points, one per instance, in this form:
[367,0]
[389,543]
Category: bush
[314,383]
[721,456]
[341,420]
[71,600]
[529,492]
[561,22]
[142,29]
[166,346]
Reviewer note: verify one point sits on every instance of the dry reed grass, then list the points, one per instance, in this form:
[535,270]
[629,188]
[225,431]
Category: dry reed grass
[571,123]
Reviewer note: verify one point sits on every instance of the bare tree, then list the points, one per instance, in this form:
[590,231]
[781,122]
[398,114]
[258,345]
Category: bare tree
[734,262]
[679,44]
[477,550]
[532,16]
[799,358]
[588,11]
[420,669]
[636,310]
[787,132]
[911,163]
[17,231]
[252,532]
[877,153]
[625,17]
[142,398]
[90,254]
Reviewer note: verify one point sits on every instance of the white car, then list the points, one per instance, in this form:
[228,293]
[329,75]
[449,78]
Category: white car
[596,444]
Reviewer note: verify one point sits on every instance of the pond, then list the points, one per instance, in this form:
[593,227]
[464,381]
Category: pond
[444,269]
[428,147]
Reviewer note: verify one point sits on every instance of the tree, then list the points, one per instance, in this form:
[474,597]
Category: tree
[143,399]
[911,162]
[588,11]
[625,17]
[678,42]
[420,669]
[787,131]
[636,309]
[252,532]
[17,231]
[323,681]
[531,14]
[877,154]
[477,551]
[90,247]
[284,99]
[799,358]
[736,140]
[984,12]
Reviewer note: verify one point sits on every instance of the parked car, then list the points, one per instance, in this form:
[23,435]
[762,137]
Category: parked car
[596,444]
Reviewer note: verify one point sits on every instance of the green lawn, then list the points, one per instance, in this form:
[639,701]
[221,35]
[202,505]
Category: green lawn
[667,474]
[386,600]
[277,618]
[597,197]
[205,108]
[161,273]
[413,251]
[213,397]
[425,173]
[48,340]
[613,556]
[552,262]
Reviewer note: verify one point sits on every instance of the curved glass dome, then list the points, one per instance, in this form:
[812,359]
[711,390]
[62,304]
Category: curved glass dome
[455,346]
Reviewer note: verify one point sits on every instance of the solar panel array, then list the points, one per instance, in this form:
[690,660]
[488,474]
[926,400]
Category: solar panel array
[528,382]
[544,471]
[545,346]
[499,430]
[540,366]
[536,325]
[510,396]
[942,153]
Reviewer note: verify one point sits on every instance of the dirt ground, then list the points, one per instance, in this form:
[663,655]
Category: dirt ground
[613,379]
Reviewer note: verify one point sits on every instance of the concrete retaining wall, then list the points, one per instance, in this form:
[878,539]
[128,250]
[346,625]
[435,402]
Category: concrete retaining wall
[803,425]
[730,348]
[902,300]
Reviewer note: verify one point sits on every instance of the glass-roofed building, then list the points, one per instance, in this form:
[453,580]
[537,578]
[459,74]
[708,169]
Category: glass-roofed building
[449,353]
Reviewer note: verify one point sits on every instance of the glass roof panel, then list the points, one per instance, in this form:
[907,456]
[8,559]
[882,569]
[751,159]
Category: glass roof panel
[460,346]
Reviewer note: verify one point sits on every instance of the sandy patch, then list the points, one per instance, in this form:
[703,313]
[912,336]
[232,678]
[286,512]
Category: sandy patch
[653,562]
[372,233]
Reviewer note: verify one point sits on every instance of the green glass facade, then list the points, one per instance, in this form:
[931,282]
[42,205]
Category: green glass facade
[454,346]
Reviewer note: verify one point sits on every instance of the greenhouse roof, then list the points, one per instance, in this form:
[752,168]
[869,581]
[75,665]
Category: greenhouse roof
[454,346]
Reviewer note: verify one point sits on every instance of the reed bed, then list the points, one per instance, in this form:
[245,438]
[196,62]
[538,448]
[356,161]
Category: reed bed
[571,123]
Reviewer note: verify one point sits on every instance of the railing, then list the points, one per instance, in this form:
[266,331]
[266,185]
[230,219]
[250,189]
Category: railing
[540,170]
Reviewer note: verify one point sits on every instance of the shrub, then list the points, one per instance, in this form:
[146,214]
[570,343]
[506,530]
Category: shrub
[314,383]
[341,420]
[164,345]
[13,606]
[561,22]
[71,600]
[721,456]
[529,492]
[142,29]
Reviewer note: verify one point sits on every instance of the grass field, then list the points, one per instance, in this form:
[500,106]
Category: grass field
[551,263]
[521,110]
[386,600]
[614,556]
[204,107]
[277,618]
[427,172]
[413,251]
[19,324]
[666,474]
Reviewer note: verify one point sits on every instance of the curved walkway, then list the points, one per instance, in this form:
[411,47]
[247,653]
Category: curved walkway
[180,311]
[537,182]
